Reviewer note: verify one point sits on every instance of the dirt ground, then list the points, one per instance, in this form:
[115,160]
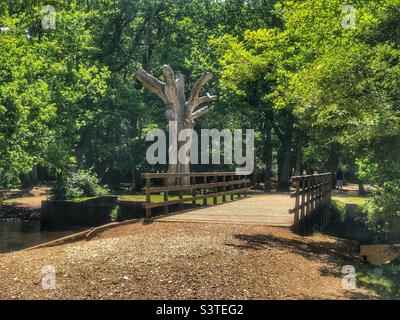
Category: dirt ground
[28,202]
[167,260]
[28,198]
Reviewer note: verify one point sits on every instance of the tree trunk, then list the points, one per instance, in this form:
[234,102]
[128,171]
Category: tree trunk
[180,167]
[285,136]
[333,161]
[361,189]
[284,164]
[268,157]
[297,170]
[184,120]
[133,172]
[31,179]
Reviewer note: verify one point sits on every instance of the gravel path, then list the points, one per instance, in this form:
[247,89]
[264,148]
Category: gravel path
[185,261]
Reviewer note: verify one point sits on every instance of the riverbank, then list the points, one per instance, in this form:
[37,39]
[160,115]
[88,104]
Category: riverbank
[20,225]
[18,235]
[25,208]
[21,209]
[186,261]
[18,213]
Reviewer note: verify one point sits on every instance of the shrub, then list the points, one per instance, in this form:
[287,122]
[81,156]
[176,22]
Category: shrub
[78,184]
[116,214]
[384,209]
[337,210]
[384,279]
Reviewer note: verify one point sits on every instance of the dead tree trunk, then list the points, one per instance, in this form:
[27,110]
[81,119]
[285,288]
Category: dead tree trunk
[172,93]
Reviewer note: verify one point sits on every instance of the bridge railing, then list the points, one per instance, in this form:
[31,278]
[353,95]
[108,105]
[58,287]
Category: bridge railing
[201,186]
[313,195]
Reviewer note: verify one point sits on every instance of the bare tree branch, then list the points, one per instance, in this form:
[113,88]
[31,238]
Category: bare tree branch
[170,90]
[180,84]
[168,75]
[207,98]
[200,112]
[194,96]
[152,83]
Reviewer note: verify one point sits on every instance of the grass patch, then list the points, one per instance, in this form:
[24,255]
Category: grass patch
[316,234]
[81,199]
[383,279]
[356,200]
[133,197]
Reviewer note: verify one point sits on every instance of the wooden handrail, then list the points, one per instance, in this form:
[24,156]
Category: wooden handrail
[232,183]
[188,199]
[310,176]
[197,186]
[191,174]
[313,194]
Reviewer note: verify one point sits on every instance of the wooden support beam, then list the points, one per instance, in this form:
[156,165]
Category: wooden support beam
[224,189]
[148,198]
[215,199]
[296,207]
[205,191]
[166,208]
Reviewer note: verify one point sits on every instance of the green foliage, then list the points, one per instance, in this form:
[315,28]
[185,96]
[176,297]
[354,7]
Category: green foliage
[78,184]
[337,211]
[384,279]
[347,94]
[48,85]
[384,208]
[316,234]
[116,214]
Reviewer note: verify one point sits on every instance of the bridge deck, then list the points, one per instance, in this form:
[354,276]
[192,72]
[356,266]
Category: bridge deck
[271,210]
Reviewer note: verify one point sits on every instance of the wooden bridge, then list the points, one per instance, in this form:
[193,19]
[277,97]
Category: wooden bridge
[307,212]
[258,209]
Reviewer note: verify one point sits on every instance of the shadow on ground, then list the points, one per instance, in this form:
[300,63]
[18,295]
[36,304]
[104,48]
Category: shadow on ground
[307,247]
[337,253]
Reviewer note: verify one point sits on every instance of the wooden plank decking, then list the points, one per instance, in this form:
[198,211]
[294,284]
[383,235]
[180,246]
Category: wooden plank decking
[271,210]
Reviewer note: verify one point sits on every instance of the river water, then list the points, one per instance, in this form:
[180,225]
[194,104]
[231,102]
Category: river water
[17,235]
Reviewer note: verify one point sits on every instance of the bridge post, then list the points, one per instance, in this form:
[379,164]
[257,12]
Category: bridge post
[148,197]
[296,206]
